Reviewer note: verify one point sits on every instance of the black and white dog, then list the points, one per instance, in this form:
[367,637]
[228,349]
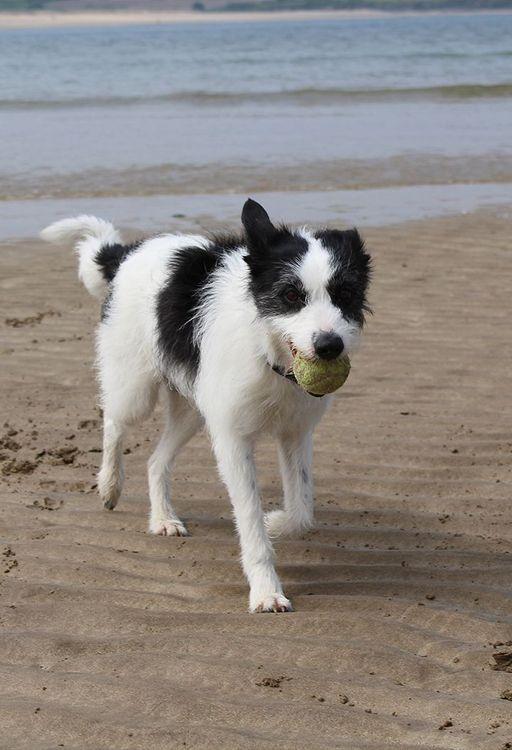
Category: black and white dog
[211,324]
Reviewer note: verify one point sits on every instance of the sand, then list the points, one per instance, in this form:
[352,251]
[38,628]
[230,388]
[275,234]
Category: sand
[45,19]
[42,19]
[114,639]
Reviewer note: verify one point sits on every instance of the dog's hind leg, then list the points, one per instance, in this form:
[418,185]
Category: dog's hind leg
[118,416]
[182,421]
[128,396]
[111,474]
[295,459]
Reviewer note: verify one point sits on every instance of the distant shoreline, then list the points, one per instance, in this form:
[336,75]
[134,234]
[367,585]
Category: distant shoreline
[49,19]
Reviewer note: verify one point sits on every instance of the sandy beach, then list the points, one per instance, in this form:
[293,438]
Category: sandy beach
[41,19]
[49,19]
[115,639]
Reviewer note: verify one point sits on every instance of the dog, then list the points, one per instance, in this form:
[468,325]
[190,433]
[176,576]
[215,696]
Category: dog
[211,324]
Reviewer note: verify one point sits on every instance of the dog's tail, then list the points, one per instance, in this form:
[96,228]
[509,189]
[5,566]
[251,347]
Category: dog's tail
[89,235]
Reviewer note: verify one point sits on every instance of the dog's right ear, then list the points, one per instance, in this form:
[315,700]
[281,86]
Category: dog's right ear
[257,224]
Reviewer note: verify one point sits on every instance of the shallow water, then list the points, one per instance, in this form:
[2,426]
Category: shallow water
[88,113]
[195,61]
[181,213]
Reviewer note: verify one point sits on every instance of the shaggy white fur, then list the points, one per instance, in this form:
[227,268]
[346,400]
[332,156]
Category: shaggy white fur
[234,390]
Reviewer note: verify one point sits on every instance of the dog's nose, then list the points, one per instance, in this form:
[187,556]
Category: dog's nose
[328,345]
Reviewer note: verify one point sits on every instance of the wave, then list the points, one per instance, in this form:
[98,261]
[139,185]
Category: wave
[298,96]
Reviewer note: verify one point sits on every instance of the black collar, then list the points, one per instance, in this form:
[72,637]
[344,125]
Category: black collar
[290,376]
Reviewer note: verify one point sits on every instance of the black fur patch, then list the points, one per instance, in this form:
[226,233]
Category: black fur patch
[190,270]
[349,283]
[273,272]
[110,257]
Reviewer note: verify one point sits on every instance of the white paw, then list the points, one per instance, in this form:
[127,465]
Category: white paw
[280,523]
[167,527]
[109,488]
[271,603]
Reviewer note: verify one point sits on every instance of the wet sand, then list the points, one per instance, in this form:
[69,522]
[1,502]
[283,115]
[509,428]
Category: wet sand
[114,639]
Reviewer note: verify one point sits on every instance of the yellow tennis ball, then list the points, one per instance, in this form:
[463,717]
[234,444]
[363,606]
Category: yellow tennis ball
[321,376]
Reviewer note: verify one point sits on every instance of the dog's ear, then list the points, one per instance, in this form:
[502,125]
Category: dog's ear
[257,225]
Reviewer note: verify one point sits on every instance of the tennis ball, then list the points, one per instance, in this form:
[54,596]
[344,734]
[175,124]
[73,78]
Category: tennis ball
[321,376]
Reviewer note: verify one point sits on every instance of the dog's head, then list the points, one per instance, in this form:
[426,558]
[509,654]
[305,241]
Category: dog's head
[309,287]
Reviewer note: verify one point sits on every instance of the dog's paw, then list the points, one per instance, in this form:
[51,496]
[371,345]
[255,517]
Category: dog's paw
[167,527]
[280,523]
[271,603]
[110,485]
[110,497]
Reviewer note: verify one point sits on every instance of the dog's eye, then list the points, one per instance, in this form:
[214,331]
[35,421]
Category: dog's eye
[292,295]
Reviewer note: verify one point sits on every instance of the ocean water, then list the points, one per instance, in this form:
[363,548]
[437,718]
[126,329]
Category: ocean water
[135,112]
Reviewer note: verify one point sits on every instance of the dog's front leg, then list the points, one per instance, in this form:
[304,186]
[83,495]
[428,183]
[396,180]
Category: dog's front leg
[295,459]
[236,466]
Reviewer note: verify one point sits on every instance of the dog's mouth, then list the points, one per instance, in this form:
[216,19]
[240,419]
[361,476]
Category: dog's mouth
[296,352]
[288,373]
[293,349]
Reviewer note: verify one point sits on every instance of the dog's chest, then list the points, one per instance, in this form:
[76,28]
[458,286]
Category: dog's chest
[282,407]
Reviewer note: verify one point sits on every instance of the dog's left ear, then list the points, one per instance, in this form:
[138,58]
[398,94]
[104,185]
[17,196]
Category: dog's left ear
[257,225]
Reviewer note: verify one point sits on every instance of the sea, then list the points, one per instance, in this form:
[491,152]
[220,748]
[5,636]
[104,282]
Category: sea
[364,120]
